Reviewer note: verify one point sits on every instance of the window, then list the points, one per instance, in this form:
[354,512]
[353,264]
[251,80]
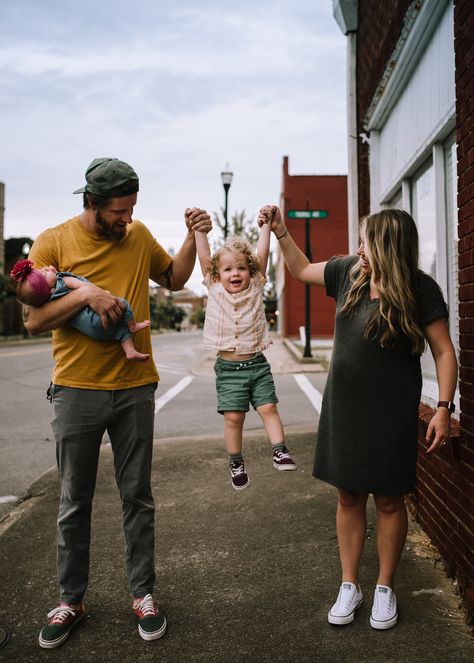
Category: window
[433,190]
[424,213]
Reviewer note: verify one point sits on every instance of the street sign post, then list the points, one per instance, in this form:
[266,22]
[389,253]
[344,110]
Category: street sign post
[308,214]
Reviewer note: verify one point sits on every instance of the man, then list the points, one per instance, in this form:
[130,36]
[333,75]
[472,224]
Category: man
[95,389]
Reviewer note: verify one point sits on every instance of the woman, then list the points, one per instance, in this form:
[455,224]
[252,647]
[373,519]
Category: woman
[386,310]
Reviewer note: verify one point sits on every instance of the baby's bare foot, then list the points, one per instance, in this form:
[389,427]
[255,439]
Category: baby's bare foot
[134,355]
[135,327]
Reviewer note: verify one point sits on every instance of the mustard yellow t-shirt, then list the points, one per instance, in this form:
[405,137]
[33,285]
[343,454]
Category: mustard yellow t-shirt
[123,268]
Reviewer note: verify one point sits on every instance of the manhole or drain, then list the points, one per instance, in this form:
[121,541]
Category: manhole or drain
[4,636]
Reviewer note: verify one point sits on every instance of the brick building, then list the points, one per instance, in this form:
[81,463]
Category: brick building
[411,145]
[328,237]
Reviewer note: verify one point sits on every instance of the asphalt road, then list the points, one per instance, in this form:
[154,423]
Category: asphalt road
[27,447]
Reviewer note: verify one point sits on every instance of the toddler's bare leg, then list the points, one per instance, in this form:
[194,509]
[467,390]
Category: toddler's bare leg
[131,352]
[272,422]
[233,425]
[134,326]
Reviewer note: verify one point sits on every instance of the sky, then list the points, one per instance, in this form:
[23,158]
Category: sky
[176,89]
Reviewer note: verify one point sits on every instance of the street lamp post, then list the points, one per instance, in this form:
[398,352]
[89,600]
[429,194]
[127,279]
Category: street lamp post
[226,177]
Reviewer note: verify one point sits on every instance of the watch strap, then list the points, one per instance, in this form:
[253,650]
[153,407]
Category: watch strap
[447,404]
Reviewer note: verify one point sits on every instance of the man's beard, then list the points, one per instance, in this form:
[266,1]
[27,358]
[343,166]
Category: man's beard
[108,231]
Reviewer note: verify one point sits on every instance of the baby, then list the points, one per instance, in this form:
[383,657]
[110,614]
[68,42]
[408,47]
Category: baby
[37,286]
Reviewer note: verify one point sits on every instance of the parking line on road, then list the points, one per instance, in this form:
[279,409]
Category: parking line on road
[314,396]
[30,351]
[4,499]
[171,393]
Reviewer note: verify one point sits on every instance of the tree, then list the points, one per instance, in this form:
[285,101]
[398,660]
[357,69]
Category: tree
[197,318]
[167,315]
[239,224]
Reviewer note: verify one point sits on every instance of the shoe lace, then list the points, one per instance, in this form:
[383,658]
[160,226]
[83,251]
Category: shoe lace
[237,468]
[60,614]
[280,454]
[147,606]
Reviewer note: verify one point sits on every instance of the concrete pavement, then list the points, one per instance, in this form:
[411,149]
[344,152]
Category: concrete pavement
[242,576]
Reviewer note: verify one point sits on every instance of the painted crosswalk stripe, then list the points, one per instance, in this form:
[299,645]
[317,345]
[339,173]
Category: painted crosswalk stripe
[174,391]
[4,499]
[314,396]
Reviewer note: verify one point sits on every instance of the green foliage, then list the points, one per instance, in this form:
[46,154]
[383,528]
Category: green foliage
[5,287]
[198,317]
[166,315]
[238,224]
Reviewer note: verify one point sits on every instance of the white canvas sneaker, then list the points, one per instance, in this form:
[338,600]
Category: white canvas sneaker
[384,610]
[348,600]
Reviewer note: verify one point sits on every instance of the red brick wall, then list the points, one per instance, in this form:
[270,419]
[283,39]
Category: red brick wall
[380,25]
[463,462]
[328,237]
[444,499]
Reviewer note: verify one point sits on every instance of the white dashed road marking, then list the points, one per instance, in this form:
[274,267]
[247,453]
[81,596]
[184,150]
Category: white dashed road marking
[7,498]
[314,396]
[174,391]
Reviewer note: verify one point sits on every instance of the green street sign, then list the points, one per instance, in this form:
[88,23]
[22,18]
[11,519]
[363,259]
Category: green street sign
[308,214]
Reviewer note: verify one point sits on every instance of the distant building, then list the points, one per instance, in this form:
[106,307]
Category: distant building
[328,237]
[185,299]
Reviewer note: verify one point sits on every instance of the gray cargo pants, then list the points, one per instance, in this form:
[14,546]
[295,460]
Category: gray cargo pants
[80,418]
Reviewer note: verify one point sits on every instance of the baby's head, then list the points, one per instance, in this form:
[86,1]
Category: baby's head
[34,285]
[234,264]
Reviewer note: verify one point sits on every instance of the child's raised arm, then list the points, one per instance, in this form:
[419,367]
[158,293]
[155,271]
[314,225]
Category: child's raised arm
[263,247]
[202,243]
[203,251]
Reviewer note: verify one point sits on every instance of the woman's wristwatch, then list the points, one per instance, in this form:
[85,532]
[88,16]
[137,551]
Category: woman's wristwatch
[447,404]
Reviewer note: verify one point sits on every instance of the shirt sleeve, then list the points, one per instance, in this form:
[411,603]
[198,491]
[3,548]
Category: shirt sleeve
[44,250]
[430,300]
[336,273]
[160,260]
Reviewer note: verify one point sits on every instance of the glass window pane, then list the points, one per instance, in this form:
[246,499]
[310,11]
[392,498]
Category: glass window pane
[423,205]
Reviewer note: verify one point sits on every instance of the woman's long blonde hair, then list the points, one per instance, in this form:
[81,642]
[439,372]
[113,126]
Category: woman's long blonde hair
[392,239]
[238,245]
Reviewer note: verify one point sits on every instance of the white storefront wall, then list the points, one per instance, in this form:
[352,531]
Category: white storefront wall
[412,150]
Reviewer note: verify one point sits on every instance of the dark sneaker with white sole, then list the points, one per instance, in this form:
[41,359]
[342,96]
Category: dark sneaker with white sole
[238,475]
[151,624]
[282,459]
[61,621]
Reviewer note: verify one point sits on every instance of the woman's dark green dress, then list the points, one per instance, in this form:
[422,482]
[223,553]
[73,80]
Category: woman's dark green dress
[367,437]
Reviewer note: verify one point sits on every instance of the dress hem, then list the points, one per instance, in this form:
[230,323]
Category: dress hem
[358,489]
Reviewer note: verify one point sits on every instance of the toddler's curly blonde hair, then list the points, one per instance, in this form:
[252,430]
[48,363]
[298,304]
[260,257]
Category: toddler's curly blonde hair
[239,246]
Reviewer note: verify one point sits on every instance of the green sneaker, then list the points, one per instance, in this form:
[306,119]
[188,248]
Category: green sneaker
[60,622]
[151,625]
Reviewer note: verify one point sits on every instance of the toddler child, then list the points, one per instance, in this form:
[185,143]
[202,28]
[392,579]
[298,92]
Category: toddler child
[235,326]
[37,286]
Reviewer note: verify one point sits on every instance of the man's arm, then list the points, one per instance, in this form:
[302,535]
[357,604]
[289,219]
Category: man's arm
[54,314]
[182,264]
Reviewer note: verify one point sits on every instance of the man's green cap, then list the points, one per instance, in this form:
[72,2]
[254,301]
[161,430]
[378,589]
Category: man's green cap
[110,178]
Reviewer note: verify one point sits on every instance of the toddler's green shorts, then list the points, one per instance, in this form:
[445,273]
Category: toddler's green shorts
[239,383]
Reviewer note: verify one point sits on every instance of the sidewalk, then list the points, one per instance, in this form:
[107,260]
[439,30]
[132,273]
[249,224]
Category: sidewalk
[243,577]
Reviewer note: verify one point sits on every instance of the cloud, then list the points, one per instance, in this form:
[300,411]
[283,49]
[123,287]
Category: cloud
[176,89]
